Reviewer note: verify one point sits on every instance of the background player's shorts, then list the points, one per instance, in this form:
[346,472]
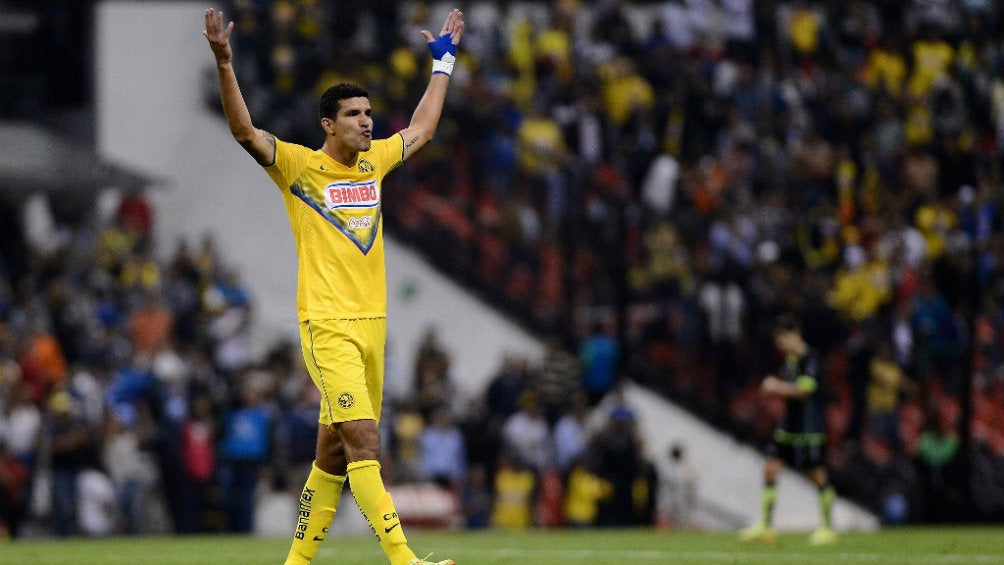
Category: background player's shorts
[345,359]
[798,455]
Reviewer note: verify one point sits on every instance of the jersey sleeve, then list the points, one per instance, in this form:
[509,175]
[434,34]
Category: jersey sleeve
[389,152]
[290,159]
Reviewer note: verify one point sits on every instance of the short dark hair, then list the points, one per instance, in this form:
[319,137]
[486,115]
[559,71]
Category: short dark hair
[787,322]
[328,105]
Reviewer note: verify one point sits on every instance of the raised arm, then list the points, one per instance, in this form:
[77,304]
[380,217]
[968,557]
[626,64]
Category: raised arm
[426,117]
[259,143]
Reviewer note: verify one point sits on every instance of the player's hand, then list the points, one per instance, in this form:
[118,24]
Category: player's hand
[771,385]
[444,47]
[454,26]
[218,36]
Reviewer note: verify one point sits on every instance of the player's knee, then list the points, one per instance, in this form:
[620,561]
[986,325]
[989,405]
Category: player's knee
[332,464]
[330,456]
[770,471]
[360,439]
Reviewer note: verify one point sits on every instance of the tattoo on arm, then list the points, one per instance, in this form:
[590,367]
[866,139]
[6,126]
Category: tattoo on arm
[271,141]
[411,142]
[269,138]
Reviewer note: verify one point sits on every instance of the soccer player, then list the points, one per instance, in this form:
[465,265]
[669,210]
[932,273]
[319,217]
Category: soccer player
[333,198]
[799,438]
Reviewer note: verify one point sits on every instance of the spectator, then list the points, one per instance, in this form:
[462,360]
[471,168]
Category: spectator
[804,29]
[557,380]
[244,450]
[584,494]
[515,485]
[229,303]
[541,153]
[129,469]
[15,480]
[724,308]
[599,356]
[140,274]
[295,429]
[937,452]
[528,437]
[482,435]
[862,287]
[887,383]
[625,93]
[43,364]
[571,437]
[431,356]
[443,452]
[96,503]
[433,391]
[432,387]
[477,498]
[198,452]
[936,337]
[20,423]
[135,215]
[150,325]
[506,387]
[620,462]
[73,445]
[677,497]
[408,427]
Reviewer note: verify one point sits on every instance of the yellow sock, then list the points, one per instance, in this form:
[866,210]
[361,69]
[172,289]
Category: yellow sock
[318,503]
[827,494]
[767,499]
[375,503]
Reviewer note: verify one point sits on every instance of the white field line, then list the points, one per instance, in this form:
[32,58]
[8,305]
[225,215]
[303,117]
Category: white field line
[668,556]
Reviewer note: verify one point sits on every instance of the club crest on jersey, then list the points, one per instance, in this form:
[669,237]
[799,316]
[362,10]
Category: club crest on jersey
[365,166]
[351,195]
[346,400]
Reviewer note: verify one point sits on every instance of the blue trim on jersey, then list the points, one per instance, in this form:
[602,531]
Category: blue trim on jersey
[364,247]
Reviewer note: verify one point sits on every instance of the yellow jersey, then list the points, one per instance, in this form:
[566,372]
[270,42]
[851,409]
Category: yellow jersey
[335,212]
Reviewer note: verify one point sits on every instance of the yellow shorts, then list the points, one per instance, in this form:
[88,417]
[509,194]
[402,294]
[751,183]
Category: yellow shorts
[345,359]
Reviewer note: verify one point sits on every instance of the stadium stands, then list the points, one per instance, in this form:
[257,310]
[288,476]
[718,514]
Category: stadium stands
[671,175]
[683,171]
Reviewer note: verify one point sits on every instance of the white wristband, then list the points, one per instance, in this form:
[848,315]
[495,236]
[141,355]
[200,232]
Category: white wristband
[444,65]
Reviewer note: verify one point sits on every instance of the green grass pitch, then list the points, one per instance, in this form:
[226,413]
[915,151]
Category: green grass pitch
[907,546]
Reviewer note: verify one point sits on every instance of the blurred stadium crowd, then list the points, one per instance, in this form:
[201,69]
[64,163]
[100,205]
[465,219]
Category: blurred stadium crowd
[649,184]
